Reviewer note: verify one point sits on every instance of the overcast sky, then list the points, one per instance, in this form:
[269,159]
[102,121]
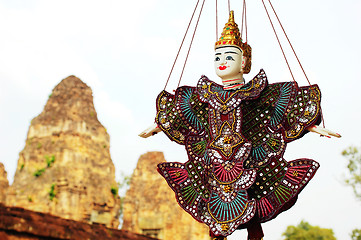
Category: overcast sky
[124,51]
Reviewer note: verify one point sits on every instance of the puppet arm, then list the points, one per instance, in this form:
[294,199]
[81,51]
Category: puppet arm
[152,130]
[323,131]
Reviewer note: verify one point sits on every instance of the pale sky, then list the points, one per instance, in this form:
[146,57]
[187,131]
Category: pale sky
[124,51]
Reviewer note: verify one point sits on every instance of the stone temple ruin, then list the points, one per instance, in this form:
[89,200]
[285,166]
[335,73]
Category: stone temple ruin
[64,186]
[67,161]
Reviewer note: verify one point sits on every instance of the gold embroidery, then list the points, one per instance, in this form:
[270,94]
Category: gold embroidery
[227,188]
[225,227]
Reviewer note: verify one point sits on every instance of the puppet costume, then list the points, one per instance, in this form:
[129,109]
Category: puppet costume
[236,175]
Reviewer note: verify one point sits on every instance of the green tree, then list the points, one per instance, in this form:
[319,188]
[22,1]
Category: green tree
[356,234]
[353,155]
[123,186]
[305,231]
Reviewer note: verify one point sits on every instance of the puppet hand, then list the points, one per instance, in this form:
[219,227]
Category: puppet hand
[154,129]
[323,131]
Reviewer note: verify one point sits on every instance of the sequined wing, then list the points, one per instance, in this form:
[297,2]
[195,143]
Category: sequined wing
[263,119]
[281,114]
[305,111]
[278,184]
[181,114]
[187,182]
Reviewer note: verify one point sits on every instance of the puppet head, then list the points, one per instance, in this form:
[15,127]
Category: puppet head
[232,56]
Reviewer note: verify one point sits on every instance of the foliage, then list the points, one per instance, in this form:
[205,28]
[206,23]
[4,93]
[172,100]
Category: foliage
[356,234]
[30,141]
[123,186]
[38,172]
[52,192]
[49,160]
[305,231]
[22,167]
[114,191]
[124,182]
[30,199]
[353,155]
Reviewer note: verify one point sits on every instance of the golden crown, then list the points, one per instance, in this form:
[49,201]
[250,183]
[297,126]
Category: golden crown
[231,37]
[230,34]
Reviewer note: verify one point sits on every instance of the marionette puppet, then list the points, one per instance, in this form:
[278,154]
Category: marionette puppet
[235,136]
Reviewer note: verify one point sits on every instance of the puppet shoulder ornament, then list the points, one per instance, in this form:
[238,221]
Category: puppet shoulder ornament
[235,136]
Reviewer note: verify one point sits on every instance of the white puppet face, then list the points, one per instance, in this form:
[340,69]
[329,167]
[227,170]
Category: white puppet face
[229,62]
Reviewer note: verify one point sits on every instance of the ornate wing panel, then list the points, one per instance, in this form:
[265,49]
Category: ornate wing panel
[304,112]
[181,114]
[263,121]
[278,183]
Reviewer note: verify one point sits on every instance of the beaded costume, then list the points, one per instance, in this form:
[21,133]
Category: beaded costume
[235,141]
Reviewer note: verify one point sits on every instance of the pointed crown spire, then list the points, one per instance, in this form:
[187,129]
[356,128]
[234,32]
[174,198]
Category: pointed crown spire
[230,35]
